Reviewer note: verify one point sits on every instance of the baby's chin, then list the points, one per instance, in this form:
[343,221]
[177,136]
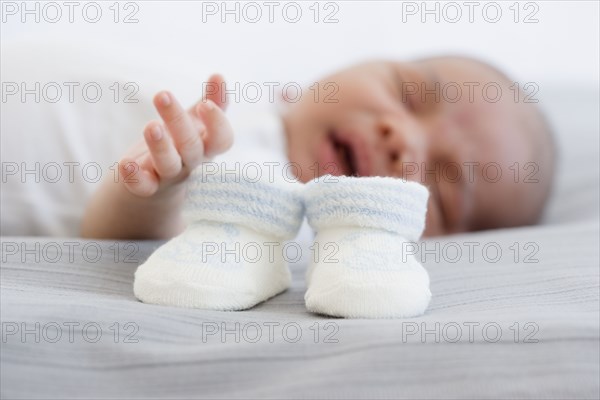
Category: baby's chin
[299,166]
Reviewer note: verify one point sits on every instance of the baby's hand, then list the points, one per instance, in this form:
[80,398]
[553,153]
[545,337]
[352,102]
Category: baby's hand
[173,147]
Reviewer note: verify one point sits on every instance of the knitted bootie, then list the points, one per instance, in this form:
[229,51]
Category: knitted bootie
[360,267]
[230,255]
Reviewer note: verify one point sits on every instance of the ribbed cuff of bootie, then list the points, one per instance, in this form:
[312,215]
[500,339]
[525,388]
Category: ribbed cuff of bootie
[273,208]
[391,204]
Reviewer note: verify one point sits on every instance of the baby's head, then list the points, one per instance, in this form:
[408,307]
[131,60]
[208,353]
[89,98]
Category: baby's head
[486,156]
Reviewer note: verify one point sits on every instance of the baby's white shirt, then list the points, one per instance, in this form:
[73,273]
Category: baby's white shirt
[259,137]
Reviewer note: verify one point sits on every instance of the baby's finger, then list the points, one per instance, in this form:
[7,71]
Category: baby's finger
[165,159]
[179,123]
[216,91]
[219,134]
[138,180]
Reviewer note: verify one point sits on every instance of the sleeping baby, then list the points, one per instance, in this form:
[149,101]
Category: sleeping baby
[455,124]
[388,150]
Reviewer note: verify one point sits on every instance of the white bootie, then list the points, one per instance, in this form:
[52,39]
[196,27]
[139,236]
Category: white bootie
[360,267]
[230,255]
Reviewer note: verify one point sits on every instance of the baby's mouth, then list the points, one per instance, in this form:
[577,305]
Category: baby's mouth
[346,155]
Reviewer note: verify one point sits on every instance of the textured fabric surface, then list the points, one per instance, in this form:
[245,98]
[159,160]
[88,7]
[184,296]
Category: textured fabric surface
[274,208]
[381,203]
[553,304]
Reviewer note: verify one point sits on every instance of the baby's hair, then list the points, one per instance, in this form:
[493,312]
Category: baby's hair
[544,152]
[536,126]
[543,141]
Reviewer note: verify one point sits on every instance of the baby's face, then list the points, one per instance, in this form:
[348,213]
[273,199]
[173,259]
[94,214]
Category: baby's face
[385,119]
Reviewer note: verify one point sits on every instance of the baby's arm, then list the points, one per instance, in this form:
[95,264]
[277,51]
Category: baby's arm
[146,201]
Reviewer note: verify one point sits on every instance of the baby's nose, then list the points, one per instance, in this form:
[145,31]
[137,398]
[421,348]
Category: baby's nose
[404,145]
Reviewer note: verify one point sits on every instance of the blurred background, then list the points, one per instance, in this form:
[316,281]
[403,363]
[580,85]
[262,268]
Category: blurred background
[542,41]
